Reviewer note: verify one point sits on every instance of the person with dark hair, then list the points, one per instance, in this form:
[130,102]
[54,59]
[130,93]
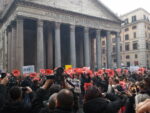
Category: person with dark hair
[15,93]
[95,103]
[3,90]
[50,105]
[65,101]
[42,94]
[143,92]
[15,105]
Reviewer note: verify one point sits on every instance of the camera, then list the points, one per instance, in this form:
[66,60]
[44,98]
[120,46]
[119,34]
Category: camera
[50,77]
[58,77]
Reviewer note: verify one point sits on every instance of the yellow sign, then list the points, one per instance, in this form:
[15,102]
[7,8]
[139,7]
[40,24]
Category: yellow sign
[68,67]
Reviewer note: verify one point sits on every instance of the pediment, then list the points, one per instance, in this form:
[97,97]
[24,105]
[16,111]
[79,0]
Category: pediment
[87,7]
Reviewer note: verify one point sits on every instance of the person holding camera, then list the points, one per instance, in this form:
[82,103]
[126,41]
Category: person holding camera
[16,103]
[3,90]
[95,102]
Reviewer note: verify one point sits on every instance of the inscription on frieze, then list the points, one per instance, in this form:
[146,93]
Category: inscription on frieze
[69,18]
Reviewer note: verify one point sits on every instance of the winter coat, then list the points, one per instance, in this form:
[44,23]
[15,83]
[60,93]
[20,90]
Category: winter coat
[40,96]
[3,96]
[15,107]
[46,110]
[58,110]
[101,105]
[130,105]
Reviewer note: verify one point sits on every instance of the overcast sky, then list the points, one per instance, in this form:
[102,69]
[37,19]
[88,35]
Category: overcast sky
[120,7]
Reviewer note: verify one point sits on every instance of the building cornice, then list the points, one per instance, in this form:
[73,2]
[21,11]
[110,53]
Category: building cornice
[27,3]
[134,11]
[134,23]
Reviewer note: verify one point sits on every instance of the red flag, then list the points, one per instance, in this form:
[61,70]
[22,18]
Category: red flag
[111,73]
[70,72]
[42,71]
[107,70]
[78,70]
[16,72]
[48,71]
[33,75]
[87,85]
[118,70]
[126,71]
[141,70]
[90,73]
[100,72]
[36,79]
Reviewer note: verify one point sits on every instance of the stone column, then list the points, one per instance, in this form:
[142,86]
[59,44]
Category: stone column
[98,49]
[109,50]
[13,47]
[57,45]
[72,46]
[5,52]
[86,47]
[20,44]
[50,47]
[118,50]
[40,45]
[9,33]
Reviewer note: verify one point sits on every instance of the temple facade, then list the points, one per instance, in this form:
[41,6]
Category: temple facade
[53,33]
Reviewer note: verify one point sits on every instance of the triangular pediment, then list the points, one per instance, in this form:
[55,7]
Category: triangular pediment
[87,7]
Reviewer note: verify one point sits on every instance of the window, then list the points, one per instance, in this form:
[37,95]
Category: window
[104,64]
[133,18]
[136,56]
[126,37]
[126,21]
[127,47]
[133,27]
[145,34]
[127,57]
[134,34]
[128,64]
[115,60]
[114,40]
[120,47]
[144,17]
[127,29]
[147,45]
[135,45]
[103,51]
[103,43]
[136,63]
[114,49]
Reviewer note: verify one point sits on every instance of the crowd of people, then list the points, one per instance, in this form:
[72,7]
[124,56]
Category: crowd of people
[105,91]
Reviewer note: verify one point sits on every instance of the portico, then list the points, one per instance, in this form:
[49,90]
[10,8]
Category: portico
[49,37]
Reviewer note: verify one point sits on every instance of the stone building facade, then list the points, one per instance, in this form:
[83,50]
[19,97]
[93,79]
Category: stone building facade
[53,33]
[135,38]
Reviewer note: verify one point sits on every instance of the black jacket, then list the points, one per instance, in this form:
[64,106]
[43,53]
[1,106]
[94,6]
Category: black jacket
[101,105]
[58,110]
[15,107]
[46,110]
[3,95]
[40,96]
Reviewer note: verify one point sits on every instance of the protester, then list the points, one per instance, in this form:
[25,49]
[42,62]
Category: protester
[95,102]
[143,107]
[67,91]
